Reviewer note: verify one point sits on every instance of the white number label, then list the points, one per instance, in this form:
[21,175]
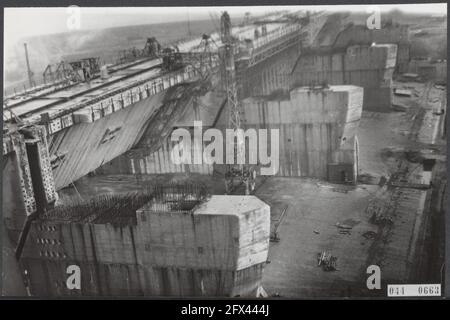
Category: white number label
[414,290]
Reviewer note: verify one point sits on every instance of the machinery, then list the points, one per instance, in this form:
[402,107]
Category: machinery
[236,174]
[86,68]
[172,58]
[57,73]
[75,71]
[152,49]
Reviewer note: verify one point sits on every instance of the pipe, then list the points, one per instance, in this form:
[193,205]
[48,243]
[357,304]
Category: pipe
[30,73]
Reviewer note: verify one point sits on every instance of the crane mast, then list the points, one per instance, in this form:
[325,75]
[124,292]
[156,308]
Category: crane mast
[229,72]
[236,174]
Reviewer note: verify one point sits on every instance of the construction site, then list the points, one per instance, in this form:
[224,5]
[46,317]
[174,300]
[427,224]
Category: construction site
[360,173]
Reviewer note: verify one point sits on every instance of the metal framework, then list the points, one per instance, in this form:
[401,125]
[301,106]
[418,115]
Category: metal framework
[202,59]
[152,49]
[235,174]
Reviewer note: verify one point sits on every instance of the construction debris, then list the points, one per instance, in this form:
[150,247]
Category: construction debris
[369,235]
[409,77]
[399,107]
[343,226]
[378,213]
[327,261]
[379,218]
[339,190]
[402,92]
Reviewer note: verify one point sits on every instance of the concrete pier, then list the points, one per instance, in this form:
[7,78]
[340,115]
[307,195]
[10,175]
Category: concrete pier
[217,248]
[317,128]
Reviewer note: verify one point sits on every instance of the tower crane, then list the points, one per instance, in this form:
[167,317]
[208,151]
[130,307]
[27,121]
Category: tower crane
[236,173]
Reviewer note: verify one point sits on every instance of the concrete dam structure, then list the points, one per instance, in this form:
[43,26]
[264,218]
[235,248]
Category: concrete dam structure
[173,239]
[86,127]
[310,146]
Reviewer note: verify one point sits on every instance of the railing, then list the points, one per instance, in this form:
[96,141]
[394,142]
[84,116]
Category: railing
[33,92]
[278,40]
[274,35]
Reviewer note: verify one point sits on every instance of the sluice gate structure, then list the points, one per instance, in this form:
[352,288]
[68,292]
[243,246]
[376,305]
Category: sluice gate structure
[121,121]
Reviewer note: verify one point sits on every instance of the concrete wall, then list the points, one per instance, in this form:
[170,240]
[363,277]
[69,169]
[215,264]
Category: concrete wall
[340,173]
[378,99]
[270,75]
[398,35]
[261,79]
[370,67]
[367,66]
[345,167]
[143,162]
[315,127]
[152,155]
[85,147]
[217,250]
[273,73]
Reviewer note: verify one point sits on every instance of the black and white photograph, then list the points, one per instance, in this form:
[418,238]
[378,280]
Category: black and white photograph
[239,152]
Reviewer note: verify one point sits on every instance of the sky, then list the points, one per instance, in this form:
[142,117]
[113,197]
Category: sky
[24,22]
